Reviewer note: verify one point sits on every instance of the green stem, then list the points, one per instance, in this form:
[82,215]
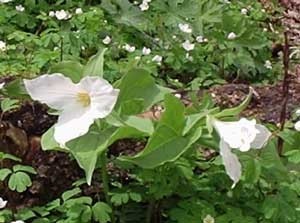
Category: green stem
[105,182]
[150,211]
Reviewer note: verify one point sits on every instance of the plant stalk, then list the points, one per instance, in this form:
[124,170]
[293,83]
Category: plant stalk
[105,183]
[285,90]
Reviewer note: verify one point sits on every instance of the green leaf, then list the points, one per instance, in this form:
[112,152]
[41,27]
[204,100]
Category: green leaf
[119,198]
[71,69]
[94,67]
[19,181]
[293,156]
[48,142]
[16,89]
[70,193]
[237,110]
[4,173]
[138,85]
[9,156]
[9,104]
[173,116]
[23,168]
[135,197]
[252,170]
[101,212]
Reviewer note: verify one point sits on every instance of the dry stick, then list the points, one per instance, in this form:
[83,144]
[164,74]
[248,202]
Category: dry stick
[285,90]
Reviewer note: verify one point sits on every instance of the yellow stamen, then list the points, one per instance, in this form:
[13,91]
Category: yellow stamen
[83,98]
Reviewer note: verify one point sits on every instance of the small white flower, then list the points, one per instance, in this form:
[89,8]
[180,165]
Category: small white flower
[157,59]
[263,10]
[135,2]
[174,37]
[2,86]
[18,221]
[265,29]
[177,95]
[297,112]
[106,40]
[144,6]
[2,203]
[5,1]
[244,11]
[156,39]
[189,57]
[78,11]
[185,28]
[51,14]
[146,51]
[62,15]
[208,219]
[268,65]
[231,36]
[187,45]
[82,48]
[200,39]
[147,1]
[20,8]
[79,104]
[129,48]
[2,46]
[137,58]
[241,135]
[297,126]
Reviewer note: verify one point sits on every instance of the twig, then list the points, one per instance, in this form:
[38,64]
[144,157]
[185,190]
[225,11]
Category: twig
[285,90]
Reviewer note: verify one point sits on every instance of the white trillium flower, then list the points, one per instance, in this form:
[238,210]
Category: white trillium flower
[208,219]
[2,203]
[18,221]
[185,28]
[79,104]
[241,135]
[2,46]
[244,11]
[20,8]
[231,36]
[187,45]
[106,40]
[78,11]
[157,59]
[62,15]
[146,51]
[268,65]
[129,48]
[5,1]
[297,112]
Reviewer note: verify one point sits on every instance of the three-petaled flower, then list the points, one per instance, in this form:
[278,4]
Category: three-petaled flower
[79,104]
[241,135]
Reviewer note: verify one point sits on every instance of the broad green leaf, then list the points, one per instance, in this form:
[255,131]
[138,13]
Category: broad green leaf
[101,212]
[173,117]
[9,156]
[16,89]
[94,67]
[237,110]
[293,156]
[4,173]
[19,181]
[138,85]
[120,198]
[9,104]
[71,69]
[252,170]
[191,120]
[48,142]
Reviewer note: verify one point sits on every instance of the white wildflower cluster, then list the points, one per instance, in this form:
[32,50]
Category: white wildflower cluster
[20,8]
[268,64]
[129,48]
[244,11]
[184,27]
[144,6]
[208,219]
[146,51]
[60,14]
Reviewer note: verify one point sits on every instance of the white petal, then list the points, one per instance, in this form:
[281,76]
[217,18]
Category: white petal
[55,90]
[72,123]
[232,164]
[261,137]
[103,95]
[2,203]
[297,126]
[229,132]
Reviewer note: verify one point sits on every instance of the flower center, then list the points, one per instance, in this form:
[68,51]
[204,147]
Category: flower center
[83,98]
